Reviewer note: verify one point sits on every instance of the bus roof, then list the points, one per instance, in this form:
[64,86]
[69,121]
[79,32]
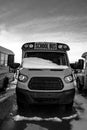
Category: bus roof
[6,51]
[45,46]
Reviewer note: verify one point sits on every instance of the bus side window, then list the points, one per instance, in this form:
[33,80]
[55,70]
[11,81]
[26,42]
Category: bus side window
[6,59]
[25,56]
[10,62]
[10,59]
[2,59]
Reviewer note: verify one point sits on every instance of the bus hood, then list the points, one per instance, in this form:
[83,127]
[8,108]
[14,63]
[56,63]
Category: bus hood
[38,63]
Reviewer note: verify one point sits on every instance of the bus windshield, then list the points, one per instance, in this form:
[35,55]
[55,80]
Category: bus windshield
[45,59]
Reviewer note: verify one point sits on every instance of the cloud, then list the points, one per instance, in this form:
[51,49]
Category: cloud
[52,25]
[12,42]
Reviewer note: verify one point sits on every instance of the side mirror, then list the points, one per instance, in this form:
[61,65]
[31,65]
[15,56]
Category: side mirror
[74,65]
[80,63]
[14,65]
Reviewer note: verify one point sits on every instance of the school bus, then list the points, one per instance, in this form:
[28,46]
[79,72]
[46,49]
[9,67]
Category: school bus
[6,73]
[45,76]
[80,68]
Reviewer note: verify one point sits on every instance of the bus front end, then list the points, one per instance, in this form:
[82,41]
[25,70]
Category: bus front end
[45,77]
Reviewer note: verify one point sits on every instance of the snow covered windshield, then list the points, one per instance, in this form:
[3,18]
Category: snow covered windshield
[45,60]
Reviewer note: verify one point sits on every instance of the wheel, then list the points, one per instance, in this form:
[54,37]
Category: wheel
[79,86]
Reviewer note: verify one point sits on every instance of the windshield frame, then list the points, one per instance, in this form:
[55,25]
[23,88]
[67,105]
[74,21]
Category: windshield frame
[59,52]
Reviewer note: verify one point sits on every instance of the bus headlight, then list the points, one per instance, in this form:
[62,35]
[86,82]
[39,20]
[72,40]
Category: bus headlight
[22,78]
[68,79]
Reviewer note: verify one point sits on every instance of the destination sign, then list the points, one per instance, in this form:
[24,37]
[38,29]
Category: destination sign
[53,46]
[41,46]
[46,46]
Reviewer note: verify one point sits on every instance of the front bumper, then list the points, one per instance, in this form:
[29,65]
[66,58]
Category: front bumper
[64,97]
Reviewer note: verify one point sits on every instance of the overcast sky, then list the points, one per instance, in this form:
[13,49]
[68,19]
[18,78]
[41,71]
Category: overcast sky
[44,20]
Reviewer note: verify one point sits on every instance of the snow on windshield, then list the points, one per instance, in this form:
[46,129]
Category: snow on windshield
[34,62]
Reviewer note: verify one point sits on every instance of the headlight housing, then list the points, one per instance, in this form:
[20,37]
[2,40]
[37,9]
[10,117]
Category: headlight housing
[68,78]
[22,78]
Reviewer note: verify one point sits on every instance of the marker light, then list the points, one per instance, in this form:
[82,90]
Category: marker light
[31,46]
[68,79]
[65,47]
[26,46]
[60,46]
[22,78]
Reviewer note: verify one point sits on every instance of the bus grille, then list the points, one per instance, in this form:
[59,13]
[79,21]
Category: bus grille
[45,83]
